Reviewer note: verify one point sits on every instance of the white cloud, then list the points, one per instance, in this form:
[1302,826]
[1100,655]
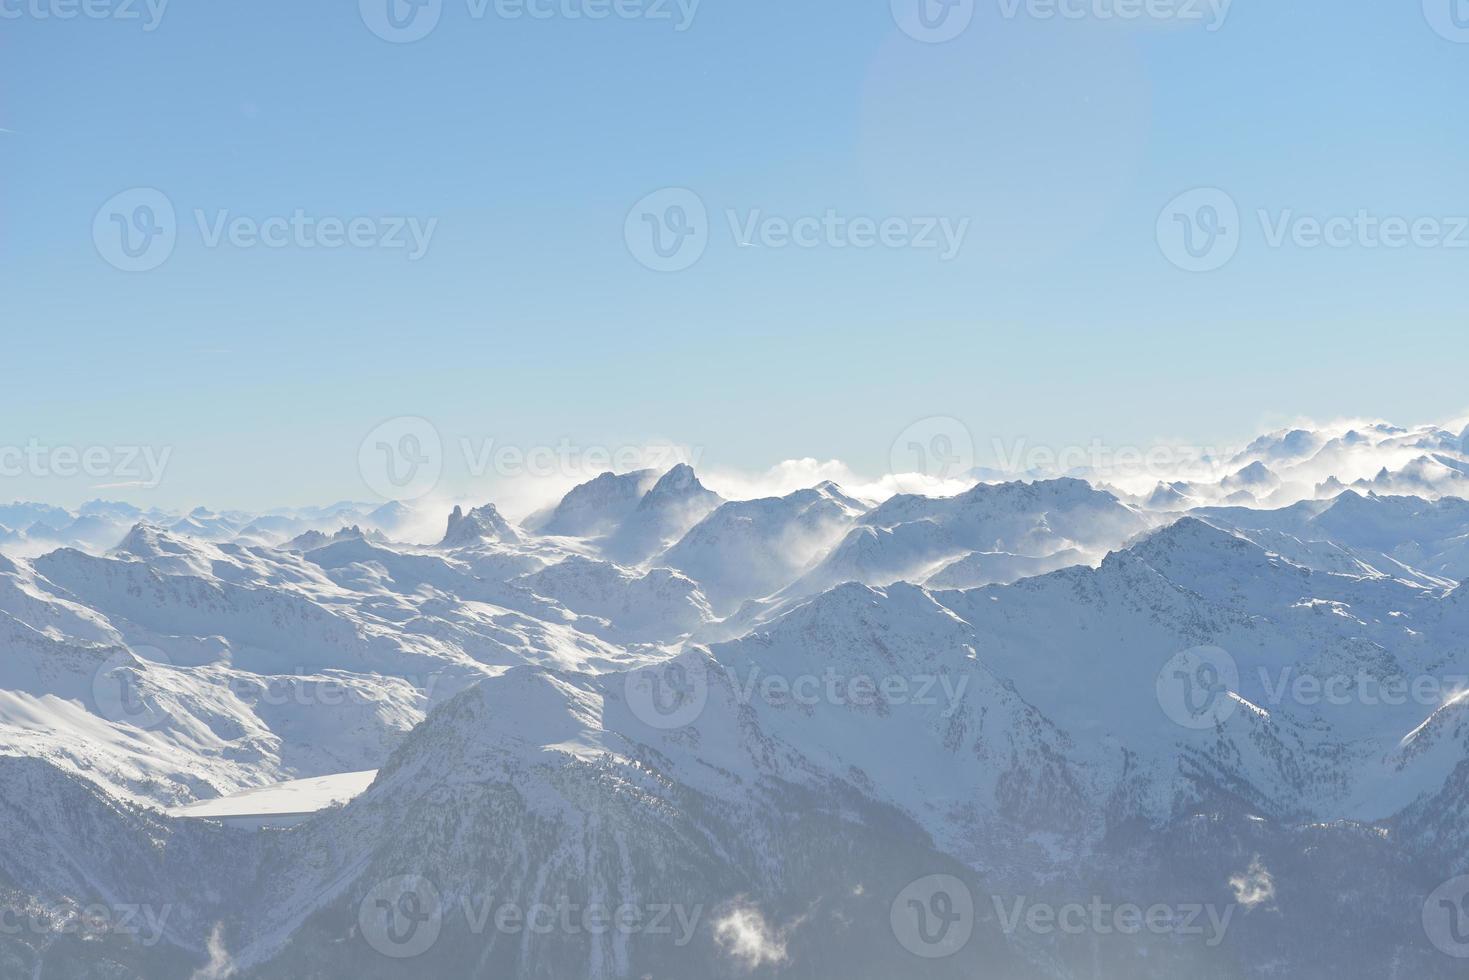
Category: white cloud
[745,936]
[1253,887]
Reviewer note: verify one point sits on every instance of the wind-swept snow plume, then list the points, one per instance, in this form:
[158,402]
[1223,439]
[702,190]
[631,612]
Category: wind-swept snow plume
[220,965]
[791,475]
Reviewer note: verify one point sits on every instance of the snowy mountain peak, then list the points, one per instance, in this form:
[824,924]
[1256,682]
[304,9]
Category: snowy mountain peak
[1186,534]
[680,487]
[832,491]
[1170,496]
[749,548]
[597,506]
[680,479]
[314,539]
[676,503]
[478,526]
[146,541]
[1194,542]
[1256,476]
[392,511]
[1285,444]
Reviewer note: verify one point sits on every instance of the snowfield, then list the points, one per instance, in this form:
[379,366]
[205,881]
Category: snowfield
[654,732]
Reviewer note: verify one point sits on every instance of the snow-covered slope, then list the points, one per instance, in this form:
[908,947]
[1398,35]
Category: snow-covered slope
[178,669]
[1012,737]
[769,722]
[1426,541]
[750,548]
[991,533]
[657,605]
[676,503]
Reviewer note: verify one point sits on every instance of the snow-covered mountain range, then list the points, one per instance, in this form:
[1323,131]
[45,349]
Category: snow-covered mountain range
[1056,727]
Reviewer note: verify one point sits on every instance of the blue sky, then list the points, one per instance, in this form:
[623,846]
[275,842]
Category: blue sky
[524,144]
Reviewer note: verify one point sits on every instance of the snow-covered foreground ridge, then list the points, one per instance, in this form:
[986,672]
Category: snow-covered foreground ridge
[1038,729]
